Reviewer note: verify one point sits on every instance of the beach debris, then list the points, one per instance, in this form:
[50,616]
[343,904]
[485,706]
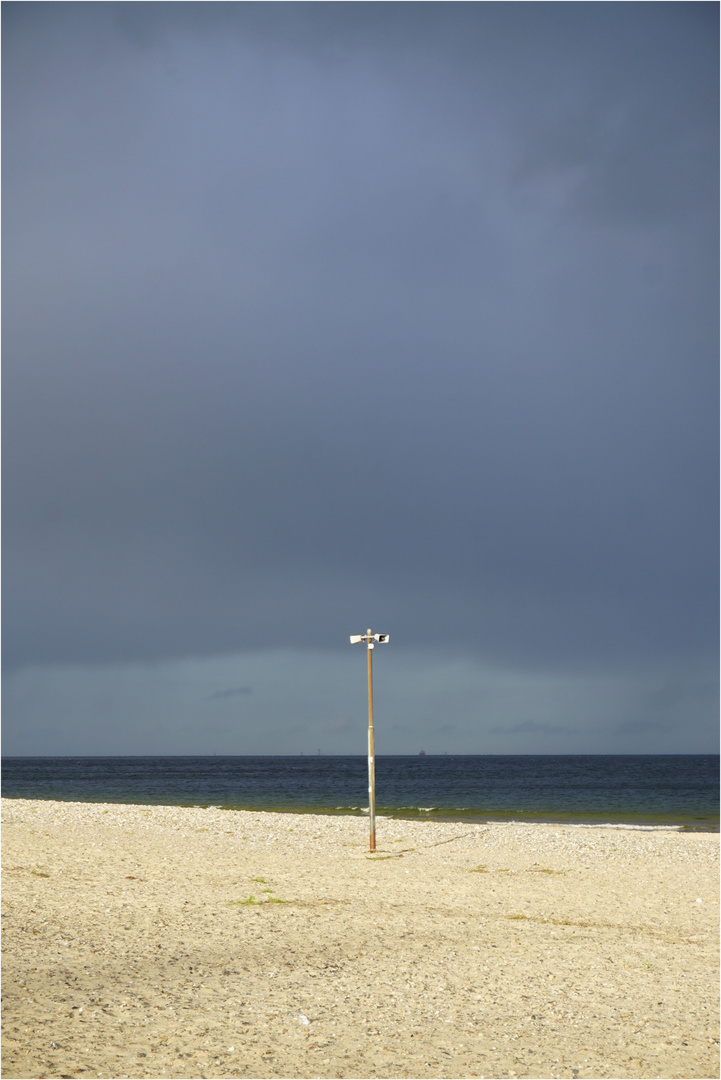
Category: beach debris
[303,1020]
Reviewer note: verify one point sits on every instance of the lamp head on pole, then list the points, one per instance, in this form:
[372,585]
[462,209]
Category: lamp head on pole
[370,638]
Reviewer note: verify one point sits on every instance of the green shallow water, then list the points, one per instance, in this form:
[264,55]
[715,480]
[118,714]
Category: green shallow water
[679,822]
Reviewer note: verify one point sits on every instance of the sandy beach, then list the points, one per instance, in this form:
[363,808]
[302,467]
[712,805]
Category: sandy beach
[183,942]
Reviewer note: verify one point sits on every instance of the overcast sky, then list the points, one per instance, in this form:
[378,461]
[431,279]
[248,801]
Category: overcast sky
[326,316]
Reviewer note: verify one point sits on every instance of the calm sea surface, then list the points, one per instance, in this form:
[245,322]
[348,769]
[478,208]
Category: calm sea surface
[635,790]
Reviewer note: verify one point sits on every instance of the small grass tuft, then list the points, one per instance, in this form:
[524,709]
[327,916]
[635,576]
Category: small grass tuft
[250,900]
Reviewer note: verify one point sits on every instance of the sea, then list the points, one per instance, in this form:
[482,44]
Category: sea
[652,791]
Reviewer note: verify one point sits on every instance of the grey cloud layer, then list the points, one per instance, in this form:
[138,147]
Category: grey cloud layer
[319,312]
[305,700]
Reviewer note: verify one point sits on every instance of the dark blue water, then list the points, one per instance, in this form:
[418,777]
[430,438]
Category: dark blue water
[637,790]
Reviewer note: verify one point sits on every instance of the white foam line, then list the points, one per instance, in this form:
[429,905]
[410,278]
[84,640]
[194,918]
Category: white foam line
[586,825]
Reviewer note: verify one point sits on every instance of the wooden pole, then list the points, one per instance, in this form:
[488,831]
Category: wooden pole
[371,750]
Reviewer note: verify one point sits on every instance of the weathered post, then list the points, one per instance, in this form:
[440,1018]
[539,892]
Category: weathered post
[371,751]
[370,638]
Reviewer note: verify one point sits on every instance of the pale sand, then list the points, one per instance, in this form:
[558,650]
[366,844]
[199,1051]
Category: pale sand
[476,950]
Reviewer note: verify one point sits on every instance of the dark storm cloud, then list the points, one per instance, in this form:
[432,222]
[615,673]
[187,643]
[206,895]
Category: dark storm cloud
[532,727]
[222,695]
[318,310]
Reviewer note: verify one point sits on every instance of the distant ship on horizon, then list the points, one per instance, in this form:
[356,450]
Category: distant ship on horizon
[421,753]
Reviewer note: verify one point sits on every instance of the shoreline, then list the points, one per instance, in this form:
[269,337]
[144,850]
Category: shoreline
[461,949]
[580,820]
